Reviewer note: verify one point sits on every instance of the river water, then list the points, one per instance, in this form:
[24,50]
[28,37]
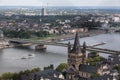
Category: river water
[10,59]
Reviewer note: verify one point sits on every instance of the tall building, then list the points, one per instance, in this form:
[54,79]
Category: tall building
[75,54]
[76,57]
[43,12]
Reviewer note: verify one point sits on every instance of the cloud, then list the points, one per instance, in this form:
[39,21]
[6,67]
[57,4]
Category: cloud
[110,3]
[21,2]
[96,2]
[61,2]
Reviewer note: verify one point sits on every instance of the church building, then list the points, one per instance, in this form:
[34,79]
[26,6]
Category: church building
[78,68]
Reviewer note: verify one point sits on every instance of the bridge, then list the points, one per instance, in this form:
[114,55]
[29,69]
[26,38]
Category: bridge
[89,48]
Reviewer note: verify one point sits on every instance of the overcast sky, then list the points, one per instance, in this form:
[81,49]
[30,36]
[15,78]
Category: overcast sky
[60,2]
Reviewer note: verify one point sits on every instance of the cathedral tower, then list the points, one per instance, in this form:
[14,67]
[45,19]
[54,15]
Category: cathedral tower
[75,55]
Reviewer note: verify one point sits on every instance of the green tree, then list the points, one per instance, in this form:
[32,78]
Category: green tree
[61,67]
[94,75]
[117,68]
[15,76]
[35,69]
[27,71]
[7,76]
[95,60]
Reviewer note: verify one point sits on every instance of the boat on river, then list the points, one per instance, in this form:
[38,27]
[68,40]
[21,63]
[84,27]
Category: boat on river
[28,56]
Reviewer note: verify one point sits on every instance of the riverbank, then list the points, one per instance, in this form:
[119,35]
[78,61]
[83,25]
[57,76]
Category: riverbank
[65,37]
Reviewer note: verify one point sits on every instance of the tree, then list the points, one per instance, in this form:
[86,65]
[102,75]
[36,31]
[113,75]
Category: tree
[61,67]
[94,61]
[7,76]
[117,68]
[94,75]
[98,58]
[35,69]
[27,71]
[15,76]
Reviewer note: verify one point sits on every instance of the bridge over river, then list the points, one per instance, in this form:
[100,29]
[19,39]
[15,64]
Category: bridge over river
[89,48]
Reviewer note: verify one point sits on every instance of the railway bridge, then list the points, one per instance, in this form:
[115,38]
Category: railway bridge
[89,48]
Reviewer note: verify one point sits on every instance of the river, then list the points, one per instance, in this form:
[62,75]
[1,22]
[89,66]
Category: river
[10,58]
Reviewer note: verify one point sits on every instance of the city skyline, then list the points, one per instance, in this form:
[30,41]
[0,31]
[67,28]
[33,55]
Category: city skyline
[59,3]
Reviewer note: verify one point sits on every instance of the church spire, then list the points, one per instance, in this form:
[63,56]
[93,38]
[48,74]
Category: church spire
[76,47]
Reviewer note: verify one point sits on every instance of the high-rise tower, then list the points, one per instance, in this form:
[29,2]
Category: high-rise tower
[43,12]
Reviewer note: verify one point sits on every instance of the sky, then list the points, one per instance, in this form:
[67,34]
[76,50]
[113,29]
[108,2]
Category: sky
[59,2]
